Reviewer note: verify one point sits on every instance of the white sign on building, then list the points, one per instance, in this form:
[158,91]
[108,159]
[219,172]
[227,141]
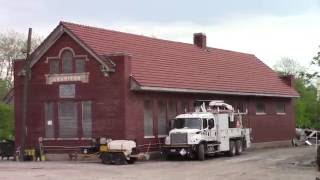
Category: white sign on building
[71,77]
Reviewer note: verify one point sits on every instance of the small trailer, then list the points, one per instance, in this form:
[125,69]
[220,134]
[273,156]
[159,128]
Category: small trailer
[116,152]
[213,128]
[109,151]
[119,152]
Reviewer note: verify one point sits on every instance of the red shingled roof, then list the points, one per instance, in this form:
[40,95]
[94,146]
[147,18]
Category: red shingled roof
[168,64]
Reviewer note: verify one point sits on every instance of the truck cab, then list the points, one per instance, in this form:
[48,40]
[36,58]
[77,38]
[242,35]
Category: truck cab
[192,128]
[206,132]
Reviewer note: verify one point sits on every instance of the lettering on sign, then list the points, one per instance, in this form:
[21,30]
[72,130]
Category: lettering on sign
[71,77]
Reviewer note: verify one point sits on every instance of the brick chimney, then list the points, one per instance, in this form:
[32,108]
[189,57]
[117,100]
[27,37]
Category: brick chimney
[200,40]
[288,79]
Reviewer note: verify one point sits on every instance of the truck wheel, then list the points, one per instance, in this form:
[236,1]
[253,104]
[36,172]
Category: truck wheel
[232,148]
[239,147]
[106,158]
[119,159]
[201,152]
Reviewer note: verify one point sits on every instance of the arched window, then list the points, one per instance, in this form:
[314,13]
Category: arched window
[67,61]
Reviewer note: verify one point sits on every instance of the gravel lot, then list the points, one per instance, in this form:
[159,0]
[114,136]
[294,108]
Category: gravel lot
[273,164]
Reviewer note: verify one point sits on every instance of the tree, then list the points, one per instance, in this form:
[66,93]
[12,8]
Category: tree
[12,46]
[288,66]
[4,88]
[306,106]
[6,121]
[316,59]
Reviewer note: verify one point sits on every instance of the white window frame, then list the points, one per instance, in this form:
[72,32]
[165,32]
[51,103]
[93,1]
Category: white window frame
[145,114]
[265,109]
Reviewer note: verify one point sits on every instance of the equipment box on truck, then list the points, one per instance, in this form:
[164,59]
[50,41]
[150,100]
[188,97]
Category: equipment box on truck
[213,128]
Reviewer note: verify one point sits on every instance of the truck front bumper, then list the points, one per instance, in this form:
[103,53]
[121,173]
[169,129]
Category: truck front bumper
[182,150]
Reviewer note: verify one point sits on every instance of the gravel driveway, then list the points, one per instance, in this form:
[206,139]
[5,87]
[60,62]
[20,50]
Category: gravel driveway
[271,164]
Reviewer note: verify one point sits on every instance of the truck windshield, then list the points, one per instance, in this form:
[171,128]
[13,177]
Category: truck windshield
[191,123]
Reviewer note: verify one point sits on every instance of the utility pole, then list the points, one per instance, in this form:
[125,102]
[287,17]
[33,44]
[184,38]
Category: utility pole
[25,96]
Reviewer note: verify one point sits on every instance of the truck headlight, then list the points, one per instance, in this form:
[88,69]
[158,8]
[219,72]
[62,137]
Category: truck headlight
[167,140]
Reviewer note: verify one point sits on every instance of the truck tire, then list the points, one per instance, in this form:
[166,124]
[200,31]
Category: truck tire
[106,158]
[201,155]
[119,159]
[232,148]
[239,147]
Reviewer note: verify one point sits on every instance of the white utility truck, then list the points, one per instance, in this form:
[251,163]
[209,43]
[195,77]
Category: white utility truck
[214,127]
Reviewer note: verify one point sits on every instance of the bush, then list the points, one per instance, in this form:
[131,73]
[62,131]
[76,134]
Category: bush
[307,107]
[6,121]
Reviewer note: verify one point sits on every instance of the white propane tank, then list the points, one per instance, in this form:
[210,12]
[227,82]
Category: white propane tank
[122,145]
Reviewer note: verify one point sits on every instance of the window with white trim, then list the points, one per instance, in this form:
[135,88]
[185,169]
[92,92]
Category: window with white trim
[49,116]
[148,118]
[67,61]
[54,66]
[162,113]
[172,109]
[280,108]
[260,108]
[79,65]
[86,119]
[68,121]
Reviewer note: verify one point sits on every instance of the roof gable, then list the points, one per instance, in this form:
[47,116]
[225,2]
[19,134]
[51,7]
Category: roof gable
[54,36]
[172,65]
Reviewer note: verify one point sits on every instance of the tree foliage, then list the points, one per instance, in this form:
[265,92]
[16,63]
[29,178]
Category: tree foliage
[307,106]
[4,88]
[288,66]
[6,121]
[12,46]
[316,59]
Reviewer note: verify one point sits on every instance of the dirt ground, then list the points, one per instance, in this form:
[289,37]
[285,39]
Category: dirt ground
[271,164]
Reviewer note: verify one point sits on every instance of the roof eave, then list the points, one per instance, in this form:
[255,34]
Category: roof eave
[136,87]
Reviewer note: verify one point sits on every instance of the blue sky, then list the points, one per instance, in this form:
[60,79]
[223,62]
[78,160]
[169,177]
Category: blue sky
[270,29]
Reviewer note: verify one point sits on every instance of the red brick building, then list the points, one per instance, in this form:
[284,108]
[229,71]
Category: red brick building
[89,82]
